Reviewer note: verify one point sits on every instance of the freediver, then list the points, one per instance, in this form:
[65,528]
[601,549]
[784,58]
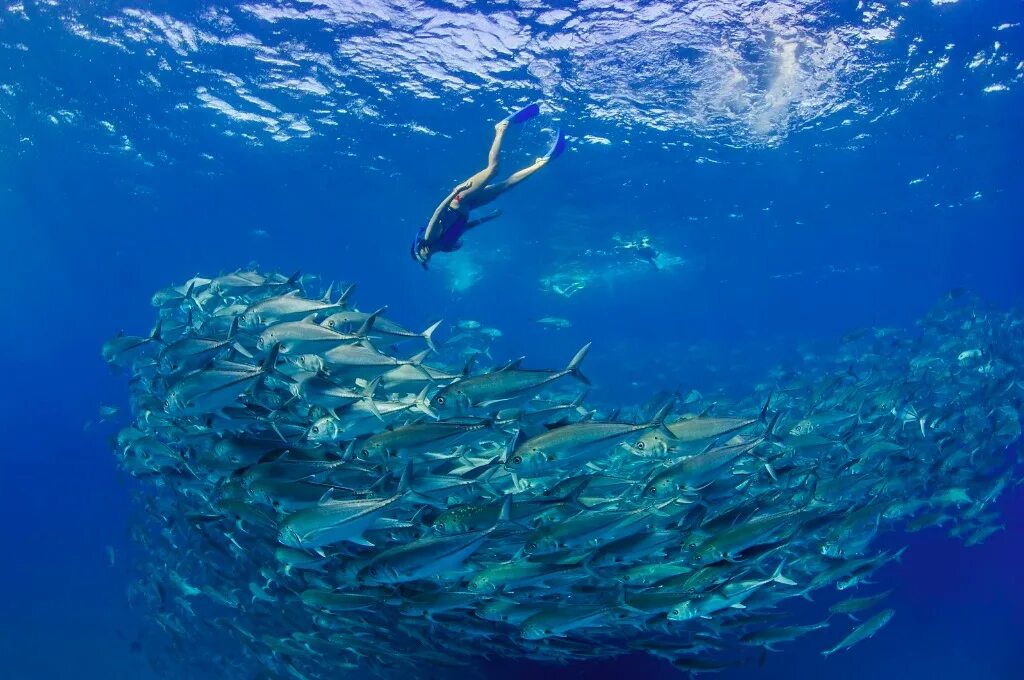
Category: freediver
[443,233]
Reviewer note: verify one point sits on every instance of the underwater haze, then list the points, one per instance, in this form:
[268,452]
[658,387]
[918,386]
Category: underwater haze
[754,197]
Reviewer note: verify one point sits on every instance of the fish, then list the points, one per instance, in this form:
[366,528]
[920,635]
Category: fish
[502,386]
[554,322]
[345,518]
[863,631]
[851,606]
[575,444]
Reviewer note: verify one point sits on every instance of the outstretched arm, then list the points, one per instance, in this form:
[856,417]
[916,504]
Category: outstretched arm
[485,218]
[428,234]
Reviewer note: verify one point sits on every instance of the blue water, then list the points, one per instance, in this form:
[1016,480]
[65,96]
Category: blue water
[770,151]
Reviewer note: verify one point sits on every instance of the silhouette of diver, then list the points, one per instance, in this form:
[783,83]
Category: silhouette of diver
[443,233]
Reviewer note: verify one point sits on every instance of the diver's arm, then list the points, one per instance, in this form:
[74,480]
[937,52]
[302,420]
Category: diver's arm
[485,218]
[432,224]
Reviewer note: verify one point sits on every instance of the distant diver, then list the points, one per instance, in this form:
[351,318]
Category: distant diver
[443,233]
[641,248]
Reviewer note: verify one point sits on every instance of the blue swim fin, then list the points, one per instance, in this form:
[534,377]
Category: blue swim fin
[557,146]
[524,114]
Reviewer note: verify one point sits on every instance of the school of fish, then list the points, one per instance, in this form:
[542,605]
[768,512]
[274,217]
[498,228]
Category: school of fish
[323,490]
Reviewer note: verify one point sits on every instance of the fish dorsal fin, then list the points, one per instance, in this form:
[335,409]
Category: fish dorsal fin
[367,326]
[405,483]
[511,446]
[561,422]
[346,294]
[326,299]
[512,365]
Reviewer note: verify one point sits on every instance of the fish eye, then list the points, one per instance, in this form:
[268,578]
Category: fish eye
[373,571]
[696,558]
[651,491]
[517,460]
[641,445]
[316,430]
[674,612]
[364,453]
[331,323]
[440,401]
[531,546]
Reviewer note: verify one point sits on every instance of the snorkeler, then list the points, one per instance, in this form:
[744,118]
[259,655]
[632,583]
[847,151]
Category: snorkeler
[443,233]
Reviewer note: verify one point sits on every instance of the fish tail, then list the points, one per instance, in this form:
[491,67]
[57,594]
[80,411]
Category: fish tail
[769,432]
[779,578]
[573,368]
[763,417]
[428,334]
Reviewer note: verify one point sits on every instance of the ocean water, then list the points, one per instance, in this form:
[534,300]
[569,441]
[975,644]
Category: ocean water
[802,168]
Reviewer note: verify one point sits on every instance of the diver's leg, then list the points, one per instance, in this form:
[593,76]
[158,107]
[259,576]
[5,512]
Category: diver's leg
[492,191]
[478,181]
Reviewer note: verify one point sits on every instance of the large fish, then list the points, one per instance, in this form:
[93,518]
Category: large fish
[502,386]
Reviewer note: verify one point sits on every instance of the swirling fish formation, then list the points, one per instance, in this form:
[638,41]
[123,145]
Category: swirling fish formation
[326,490]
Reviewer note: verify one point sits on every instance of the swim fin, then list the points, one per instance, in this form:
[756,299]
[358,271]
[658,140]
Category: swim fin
[524,114]
[557,146]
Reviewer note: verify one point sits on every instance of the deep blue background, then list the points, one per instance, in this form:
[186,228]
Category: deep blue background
[88,235]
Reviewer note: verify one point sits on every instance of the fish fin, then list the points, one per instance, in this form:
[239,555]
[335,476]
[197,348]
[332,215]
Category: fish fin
[390,523]
[779,578]
[769,432]
[506,509]
[738,605]
[764,409]
[155,335]
[658,421]
[468,365]
[428,335]
[492,402]
[561,422]
[405,483]
[417,359]
[367,326]
[511,446]
[573,368]
[345,294]
[512,365]
[326,299]
[359,540]
[423,404]
[270,363]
